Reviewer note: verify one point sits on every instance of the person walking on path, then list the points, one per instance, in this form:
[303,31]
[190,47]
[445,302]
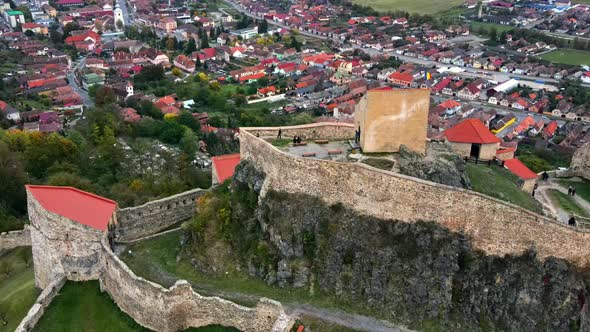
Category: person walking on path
[572,221]
[279,136]
[545,176]
[569,191]
[573,191]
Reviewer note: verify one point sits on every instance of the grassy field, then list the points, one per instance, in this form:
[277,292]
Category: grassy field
[475,26]
[582,187]
[568,57]
[80,306]
[500,183]
[17,287]
[567,203]
[155,259]
[281,143]
[412,6]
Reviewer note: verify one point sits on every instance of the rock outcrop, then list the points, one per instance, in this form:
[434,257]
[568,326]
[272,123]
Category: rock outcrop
[580,165]
[415,273]
[441,165]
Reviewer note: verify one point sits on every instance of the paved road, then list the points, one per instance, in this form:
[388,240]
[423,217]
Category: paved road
[127,15]
[77,88]
[237,7]
[498,76]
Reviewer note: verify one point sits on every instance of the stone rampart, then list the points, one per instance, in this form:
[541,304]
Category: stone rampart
[14,239]
[62,246]
[140,221]
[493,226]
[179,307]
[328,130]
[43,301]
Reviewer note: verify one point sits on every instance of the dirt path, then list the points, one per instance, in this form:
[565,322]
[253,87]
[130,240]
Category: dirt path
[542,195]
[357,322]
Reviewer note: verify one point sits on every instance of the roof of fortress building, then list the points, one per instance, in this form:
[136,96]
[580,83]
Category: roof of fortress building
[83,207]
[517,167]
[471,131]
[225,165]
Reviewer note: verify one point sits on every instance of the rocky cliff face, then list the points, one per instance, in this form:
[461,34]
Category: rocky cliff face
[441,165]
[420,273]
[580,165]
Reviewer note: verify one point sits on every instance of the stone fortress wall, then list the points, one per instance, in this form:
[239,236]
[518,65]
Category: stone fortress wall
[42,302]
[179,307]
[152,217]
[61,246]
[66,250]
[335,131]
[14,239]
[493,226]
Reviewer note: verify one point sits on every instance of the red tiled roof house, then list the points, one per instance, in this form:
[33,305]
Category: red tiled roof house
[470,138]
[527,178]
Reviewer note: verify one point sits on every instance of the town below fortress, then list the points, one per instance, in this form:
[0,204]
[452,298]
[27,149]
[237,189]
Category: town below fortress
[299,166]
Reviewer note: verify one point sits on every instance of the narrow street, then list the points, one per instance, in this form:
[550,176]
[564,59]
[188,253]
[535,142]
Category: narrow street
[127,13]
[76,87]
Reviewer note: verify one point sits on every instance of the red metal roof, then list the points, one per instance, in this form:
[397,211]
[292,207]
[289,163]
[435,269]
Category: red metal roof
[471,131]
[77,205]
[450,104]
[225,166]
[519,169]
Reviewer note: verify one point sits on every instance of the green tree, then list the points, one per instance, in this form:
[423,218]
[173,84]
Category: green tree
[176,72]
[262,26]
[71,180]
[205,41]
[171,132]
[493,33]
[71,27]
[45,150]
[191,46]
[189,143]
[150,73]
[26,13]
[104,95]
[12,192]
[56,37]
[188,120]
[171,44]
